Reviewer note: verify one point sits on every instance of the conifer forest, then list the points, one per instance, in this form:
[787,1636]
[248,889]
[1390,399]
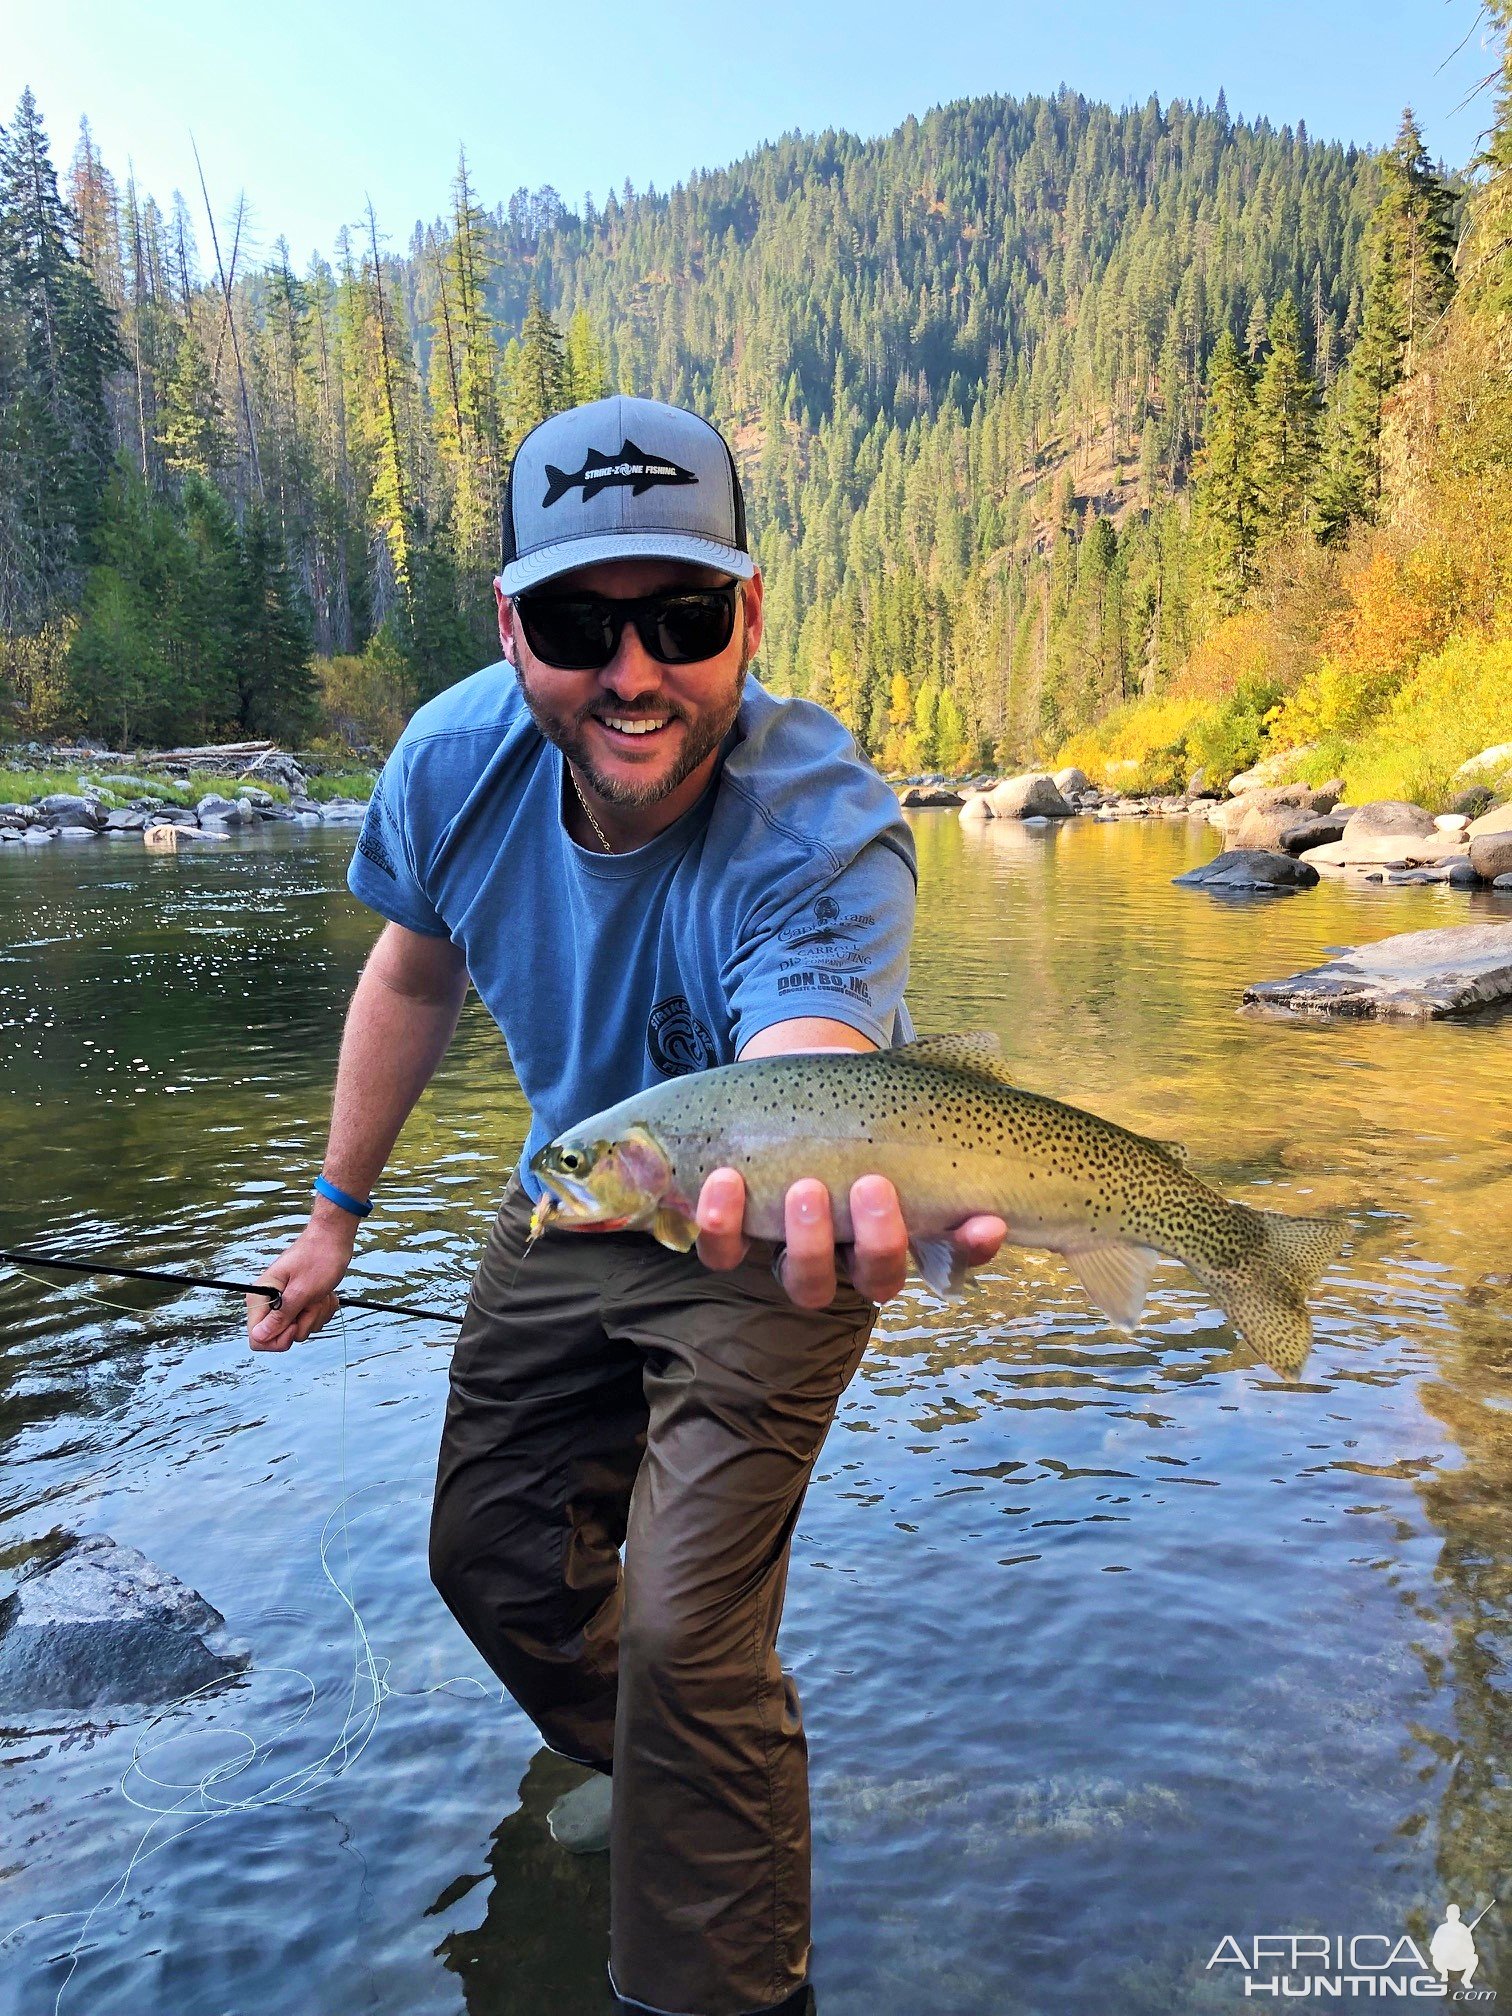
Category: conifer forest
[1152,436]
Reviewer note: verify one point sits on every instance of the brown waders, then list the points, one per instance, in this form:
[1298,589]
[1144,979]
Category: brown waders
[608,1393]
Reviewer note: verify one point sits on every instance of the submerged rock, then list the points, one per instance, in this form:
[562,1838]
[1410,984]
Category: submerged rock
[1421,975]
[1249,868]
[930,794]
[101,1627]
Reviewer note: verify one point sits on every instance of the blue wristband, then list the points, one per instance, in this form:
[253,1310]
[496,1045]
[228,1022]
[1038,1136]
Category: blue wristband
[340,1198]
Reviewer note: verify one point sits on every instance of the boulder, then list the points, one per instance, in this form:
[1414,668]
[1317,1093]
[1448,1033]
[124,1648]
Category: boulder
[1419,975]
[1503,882]
[1318,831]
[1496,819]
[1282,768]
[1452,822]
[1491,855]
[352,811]
[930,795]
[1474,802]
[38,836]
[1492,766]
[1014,798]
[1386,851]
[1259,818]
[1388,819]
[975,806]
[1071,782]
[79,832]
[63,809]
[1251,868]
[125,822]
[273,766]
[100,1627]
[228,811]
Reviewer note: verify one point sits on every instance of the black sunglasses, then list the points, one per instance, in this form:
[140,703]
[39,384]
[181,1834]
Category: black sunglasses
[581,633]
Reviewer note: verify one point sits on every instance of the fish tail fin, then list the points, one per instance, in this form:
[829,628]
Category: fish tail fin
[558,483]
[1264,1290]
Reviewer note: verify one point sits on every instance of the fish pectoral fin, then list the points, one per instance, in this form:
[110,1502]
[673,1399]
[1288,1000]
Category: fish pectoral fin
[940,1263]
[1116,1278]
[674,1228]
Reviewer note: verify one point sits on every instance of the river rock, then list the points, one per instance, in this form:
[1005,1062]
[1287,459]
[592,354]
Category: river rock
[38,836]
[101,1627]
[278,768]
[125,822]
[63,809]
[79,832]
[227,811]
[1503,882]
[1261,818]
[1255,868]
[1318,831]
[349,811]
[1389,819]
[1282,768]
[1452,822]
[1420,975]
[1017,796]
[1492,766]
[1490,838]
[1387,851]
[1072,782]
[929,795]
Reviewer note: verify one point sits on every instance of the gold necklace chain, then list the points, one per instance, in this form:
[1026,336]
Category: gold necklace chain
[588,812]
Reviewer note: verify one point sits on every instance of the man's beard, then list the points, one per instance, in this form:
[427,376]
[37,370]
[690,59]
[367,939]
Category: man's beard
[702,738]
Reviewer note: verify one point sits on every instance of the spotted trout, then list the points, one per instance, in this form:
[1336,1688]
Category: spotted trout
[942,1119]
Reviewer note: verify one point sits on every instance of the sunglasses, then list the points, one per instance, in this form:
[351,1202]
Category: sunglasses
[581,633]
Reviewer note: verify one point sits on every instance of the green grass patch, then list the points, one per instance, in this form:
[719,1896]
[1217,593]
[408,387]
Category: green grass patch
[343,784]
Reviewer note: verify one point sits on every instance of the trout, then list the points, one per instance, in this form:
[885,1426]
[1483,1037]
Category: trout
[942,1119]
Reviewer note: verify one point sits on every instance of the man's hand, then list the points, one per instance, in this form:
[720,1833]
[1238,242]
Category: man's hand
[308,1274]
[878,1259]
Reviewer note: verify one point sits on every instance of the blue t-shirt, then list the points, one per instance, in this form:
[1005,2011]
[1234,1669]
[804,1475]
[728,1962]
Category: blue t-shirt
[787,890]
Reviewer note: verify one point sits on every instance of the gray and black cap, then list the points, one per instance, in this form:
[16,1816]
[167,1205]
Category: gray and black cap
[621,479]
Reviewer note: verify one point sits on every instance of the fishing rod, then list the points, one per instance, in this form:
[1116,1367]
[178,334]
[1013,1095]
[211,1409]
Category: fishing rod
[274,1295]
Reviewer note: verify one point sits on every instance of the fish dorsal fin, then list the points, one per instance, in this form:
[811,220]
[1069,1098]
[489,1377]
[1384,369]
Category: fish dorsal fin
[1116,1278]
[975,1050]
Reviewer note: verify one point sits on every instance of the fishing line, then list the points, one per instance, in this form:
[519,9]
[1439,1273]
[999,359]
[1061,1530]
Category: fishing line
[200,1800]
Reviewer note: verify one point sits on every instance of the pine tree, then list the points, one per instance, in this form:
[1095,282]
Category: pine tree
[1225,474]
[193,431]
[63,346]
[1286,427]
[539,375]
[275,688]
[1417,214]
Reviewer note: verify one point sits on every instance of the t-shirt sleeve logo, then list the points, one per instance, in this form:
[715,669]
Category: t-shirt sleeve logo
[372,843]
[631,468]
[677,1041]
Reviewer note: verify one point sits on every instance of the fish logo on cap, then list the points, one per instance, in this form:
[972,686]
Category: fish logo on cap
[632,467]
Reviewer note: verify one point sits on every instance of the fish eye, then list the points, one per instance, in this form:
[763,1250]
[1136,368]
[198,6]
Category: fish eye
[572,1159]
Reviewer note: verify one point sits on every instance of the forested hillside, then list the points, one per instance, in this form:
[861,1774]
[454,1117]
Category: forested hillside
[1033,398]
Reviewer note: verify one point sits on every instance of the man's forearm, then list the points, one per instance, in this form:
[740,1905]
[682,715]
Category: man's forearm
[390,1048]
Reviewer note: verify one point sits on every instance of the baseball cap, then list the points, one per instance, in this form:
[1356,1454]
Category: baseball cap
[621,479]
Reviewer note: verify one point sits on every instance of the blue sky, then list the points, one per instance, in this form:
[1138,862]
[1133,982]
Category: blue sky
[311,107]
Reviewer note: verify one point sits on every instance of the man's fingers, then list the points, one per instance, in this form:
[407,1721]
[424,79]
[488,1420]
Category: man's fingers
[808,1264]
[879,1254]
[721,1214]
[267,1325]
[979,1238]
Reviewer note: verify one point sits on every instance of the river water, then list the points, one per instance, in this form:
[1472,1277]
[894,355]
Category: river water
[1111,1650]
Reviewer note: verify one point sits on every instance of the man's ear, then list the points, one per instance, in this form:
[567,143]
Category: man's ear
[506,624]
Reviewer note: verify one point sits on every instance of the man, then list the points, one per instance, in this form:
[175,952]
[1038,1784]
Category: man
[647,866]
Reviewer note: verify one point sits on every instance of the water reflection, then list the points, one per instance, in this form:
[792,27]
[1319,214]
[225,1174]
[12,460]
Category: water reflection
[1108,1647]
